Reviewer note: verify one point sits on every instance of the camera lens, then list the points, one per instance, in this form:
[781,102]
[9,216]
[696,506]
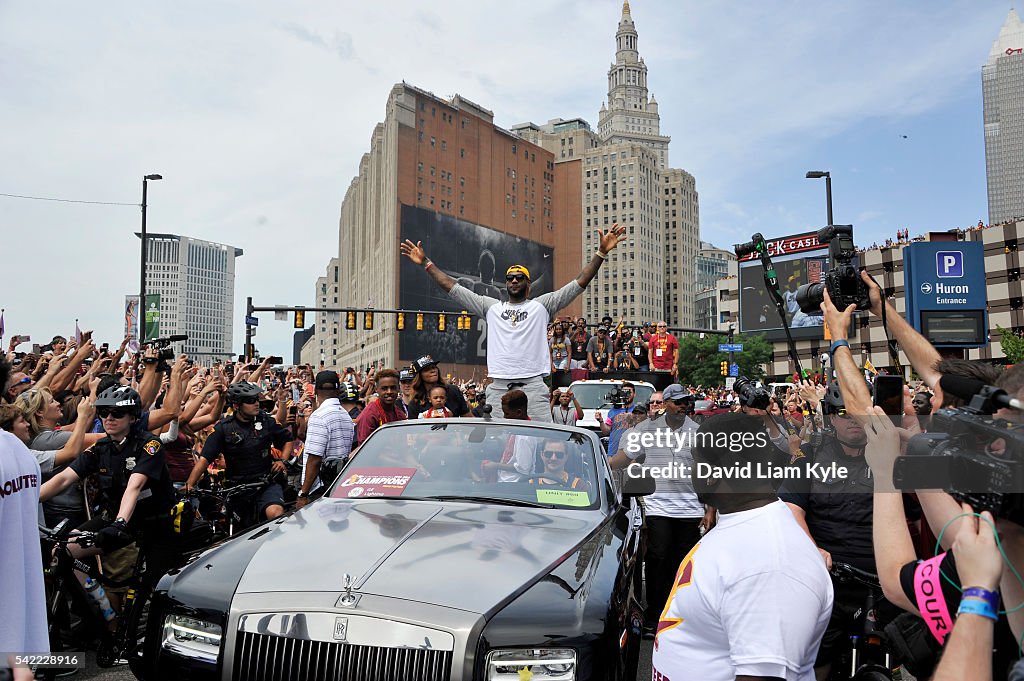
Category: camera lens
[810,297]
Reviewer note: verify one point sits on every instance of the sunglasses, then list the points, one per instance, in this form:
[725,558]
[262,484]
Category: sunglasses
[105,412]
[656,402]
[515,277]
[249,400]
[553,454]
[23,381]
[681,401]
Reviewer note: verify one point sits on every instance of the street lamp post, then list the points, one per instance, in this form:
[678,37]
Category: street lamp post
[142,269]
[816,174]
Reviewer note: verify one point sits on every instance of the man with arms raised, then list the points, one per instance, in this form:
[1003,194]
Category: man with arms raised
[517,346]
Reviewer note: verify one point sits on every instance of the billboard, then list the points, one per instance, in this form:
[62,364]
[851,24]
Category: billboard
[799,259]
[476,257]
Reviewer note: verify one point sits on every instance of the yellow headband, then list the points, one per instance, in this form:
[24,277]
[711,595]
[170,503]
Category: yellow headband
[517,269]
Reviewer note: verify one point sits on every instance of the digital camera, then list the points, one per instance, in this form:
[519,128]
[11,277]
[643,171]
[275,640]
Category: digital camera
[842,281]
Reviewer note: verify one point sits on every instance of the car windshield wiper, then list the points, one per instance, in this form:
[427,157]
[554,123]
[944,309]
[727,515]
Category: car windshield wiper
[487,500]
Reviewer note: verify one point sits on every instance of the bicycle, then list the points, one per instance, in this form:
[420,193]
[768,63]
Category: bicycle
[66,595]
[229,519]
[868,657]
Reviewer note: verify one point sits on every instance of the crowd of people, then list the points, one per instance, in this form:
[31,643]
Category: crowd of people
[903,235]
[737,570]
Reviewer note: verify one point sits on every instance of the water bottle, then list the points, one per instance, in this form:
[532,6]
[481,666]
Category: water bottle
[96,592]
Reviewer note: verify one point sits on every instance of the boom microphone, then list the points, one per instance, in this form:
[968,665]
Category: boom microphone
[178,337]
[968,388]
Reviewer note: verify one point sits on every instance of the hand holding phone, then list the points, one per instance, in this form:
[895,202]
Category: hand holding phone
[889,394]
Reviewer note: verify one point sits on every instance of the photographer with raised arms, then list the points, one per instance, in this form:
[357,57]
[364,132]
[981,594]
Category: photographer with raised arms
[835,504]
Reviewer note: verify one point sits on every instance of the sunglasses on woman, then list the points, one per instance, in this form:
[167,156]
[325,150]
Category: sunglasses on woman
[104,412]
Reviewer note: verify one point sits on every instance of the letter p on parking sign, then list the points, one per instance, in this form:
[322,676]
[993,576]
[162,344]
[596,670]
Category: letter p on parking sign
[949,263]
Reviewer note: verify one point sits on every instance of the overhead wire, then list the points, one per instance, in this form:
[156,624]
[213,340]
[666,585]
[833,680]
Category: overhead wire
[50,198]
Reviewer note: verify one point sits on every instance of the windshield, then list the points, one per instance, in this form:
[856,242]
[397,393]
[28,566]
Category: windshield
[499,462]
[594,395]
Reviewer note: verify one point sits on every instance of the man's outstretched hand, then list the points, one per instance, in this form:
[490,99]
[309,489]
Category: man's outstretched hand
[609,239]
[414,251]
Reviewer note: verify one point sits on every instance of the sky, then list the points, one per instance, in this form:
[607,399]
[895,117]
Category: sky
[257,113]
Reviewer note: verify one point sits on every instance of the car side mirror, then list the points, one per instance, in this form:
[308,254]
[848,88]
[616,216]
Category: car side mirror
[637,485]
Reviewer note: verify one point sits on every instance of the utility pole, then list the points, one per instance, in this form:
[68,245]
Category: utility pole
[248,330]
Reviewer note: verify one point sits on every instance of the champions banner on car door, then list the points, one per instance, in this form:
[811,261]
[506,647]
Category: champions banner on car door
[374,482]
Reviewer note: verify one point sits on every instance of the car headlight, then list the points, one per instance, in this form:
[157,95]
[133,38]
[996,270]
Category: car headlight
[192,637]
[532,664]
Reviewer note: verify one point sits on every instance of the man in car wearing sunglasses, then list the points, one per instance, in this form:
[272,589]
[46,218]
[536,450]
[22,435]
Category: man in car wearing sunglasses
[554,457]
[245,439]
[518,355]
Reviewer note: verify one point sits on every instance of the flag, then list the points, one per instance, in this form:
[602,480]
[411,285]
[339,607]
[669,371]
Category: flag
[869,367]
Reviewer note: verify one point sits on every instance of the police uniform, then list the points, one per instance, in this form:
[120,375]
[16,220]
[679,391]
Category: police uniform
[246,449]
[151,523]
[839,513]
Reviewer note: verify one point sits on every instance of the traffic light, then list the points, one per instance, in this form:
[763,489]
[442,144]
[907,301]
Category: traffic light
[350,320]
[400,321]
[300,319]
[419,321]
[441,322]
[725,368]
[368,320]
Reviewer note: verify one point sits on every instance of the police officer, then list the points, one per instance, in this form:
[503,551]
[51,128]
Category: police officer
[136,493]
[245,439]
[834,505]
[349,398]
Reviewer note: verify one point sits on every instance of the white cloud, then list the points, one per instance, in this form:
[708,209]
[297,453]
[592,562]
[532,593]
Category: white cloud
[258,136]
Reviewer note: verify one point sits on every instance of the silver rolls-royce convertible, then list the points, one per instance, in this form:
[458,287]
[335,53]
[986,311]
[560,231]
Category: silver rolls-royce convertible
[446,549]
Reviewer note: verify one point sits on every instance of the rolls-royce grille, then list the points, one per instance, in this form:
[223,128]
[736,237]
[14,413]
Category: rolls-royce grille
[277,658]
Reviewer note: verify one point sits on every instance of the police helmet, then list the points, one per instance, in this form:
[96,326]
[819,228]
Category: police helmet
[349,392]
[833,401]
[243,390]
[120,397]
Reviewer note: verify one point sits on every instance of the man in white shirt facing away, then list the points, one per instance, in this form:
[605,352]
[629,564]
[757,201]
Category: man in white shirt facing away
[752,599]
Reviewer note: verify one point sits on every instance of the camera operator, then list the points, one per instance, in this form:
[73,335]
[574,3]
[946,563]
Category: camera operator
[617,418]
[755,400]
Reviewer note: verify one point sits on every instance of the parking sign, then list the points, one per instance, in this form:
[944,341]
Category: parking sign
[949,264]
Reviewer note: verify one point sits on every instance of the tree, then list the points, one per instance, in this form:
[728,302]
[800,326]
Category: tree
[1013,345]
[700,361]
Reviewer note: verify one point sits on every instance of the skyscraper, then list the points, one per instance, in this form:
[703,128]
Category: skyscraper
[1002,84]
[626,180]
[196,283]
